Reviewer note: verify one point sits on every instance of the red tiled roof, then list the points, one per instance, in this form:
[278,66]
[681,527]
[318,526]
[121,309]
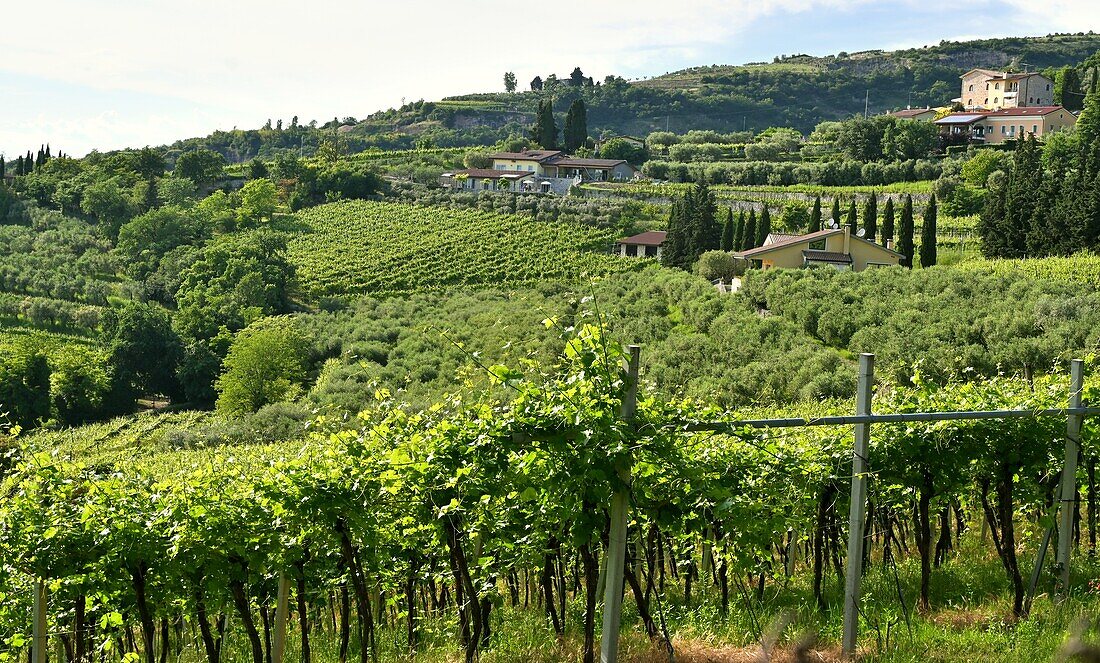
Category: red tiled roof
[650,238]
[1025,111]
[791,239]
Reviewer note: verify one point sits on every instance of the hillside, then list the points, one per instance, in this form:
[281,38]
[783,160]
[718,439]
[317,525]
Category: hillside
[798,91]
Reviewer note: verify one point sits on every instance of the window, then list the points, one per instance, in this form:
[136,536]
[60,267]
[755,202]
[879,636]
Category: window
[987,101]
[1030,100]
[987,86]
[1035,129]
[971,88]
[969,102]
[817,245]
[1002,129]
[1021,131]
[996,86]
[1048,87]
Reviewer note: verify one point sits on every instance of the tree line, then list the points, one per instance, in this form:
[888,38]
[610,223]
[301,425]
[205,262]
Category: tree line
[1047,203]
[695,226]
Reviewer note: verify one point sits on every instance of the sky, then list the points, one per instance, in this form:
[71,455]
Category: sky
[108,74]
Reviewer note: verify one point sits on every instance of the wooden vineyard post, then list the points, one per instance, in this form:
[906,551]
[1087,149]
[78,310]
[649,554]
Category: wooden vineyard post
[1069,473]
[282,607]
[620,517]
[858,508]
[39,637]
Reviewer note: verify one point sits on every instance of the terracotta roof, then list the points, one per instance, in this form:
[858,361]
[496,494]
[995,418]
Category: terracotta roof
[827,256]
[651,238]
[987,72]
[1025,111]
[588,163]
[912,112]
[793,239]
[779,237]
[527,155]
[491,174]
[973,116]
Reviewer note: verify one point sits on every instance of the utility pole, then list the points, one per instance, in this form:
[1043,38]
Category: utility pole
[866,102]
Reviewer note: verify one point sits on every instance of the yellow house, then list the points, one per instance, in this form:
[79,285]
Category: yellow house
[835,247]
[993,127]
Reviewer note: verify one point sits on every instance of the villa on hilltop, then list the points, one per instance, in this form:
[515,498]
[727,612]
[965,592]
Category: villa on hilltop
[985,89]
[539,171]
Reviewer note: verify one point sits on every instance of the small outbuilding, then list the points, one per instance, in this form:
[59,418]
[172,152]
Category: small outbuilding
[642,245]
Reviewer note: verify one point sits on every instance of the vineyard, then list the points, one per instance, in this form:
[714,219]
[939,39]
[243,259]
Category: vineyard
[1082,268]
[443,532]
[370,247]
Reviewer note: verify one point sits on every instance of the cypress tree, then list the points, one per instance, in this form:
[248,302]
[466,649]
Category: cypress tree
[815,216]
[28,163]
[1025,183]
[888,222]
[545,131]
[703,212]
[991,221]
[853,222]
[750,232]
[576,126]
[672,251]
[739,232]
[928,235]
[19,165]
[1088,132]
[870,218]
[834,216]
[1067,89]
[728,231]
[905,232]
[3,168]
[765,226]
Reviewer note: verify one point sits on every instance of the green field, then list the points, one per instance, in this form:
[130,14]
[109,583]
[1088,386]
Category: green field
[362,247]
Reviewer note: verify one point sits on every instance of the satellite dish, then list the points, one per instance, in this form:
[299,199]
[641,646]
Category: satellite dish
[834,225]
[861,232]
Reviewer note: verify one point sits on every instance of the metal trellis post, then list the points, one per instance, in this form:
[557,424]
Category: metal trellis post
[620,517]
[1069,472]
[858,508]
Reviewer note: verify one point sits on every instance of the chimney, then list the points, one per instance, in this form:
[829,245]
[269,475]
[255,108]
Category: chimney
[847,240]
[890,244]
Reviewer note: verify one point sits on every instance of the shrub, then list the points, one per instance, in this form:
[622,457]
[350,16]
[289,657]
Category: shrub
[723,265]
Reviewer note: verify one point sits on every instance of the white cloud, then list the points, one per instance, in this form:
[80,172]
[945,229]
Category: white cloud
[242,61]
[248,60]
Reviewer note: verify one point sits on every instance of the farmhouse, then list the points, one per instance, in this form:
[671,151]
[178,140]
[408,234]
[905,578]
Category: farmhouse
[643,245]
[835,247]
[985,89]
[545,171]
[994,127]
